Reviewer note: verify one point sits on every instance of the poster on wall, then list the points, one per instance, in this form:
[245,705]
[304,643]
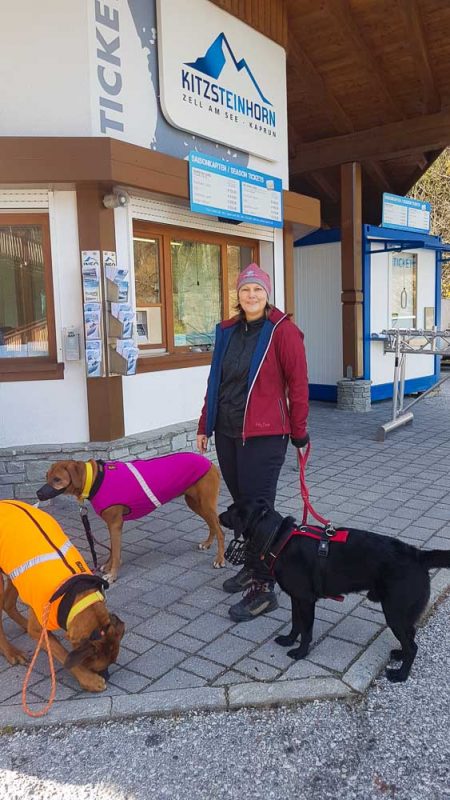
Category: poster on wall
[92,320]
[125,315]
[90,272]
[109,258]
[130,352]
[94,358]
[117,284]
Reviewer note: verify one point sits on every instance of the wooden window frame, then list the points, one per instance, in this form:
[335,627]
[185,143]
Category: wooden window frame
[182,357]
[162,291]
[38,368]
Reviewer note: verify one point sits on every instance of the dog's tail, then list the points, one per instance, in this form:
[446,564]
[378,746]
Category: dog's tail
[435,558]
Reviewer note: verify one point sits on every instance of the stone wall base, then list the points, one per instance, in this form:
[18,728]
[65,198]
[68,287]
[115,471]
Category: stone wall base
[353,395]
[23,469]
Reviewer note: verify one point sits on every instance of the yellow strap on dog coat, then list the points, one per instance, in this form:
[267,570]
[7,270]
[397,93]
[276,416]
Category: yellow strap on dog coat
[88,481]
[85,602]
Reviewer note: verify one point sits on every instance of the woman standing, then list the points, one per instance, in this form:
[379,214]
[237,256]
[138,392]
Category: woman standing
[257,397]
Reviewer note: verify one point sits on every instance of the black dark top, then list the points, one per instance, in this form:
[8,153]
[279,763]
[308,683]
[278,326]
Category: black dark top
[233,386]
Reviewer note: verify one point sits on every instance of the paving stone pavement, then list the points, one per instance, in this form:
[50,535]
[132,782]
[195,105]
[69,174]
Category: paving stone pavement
[181,651]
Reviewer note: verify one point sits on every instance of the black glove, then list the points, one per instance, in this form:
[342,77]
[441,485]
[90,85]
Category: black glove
[300,442]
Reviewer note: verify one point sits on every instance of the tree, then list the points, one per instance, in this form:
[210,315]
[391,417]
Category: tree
[434,186]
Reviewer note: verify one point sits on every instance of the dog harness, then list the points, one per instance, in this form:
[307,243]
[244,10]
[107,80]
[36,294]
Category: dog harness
[262,552]
[324,535]
[142,485]
[38,558]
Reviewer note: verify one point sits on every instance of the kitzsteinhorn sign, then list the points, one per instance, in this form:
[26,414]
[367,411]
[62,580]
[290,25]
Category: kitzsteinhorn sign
[221,79]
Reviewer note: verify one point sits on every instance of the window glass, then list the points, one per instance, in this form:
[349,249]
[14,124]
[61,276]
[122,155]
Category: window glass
[23,300]
[196,292]
[403,290]
[149,324]
[238,258]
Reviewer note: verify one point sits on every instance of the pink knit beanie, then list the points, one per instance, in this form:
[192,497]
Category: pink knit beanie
[254,274]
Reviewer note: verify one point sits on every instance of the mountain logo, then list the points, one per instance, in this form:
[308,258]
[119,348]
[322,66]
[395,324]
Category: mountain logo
[214,60]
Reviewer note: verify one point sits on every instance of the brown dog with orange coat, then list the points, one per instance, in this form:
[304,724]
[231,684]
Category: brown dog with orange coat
[121,491]
[50,576]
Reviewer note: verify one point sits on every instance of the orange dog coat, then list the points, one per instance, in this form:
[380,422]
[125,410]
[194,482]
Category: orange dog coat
[37,556]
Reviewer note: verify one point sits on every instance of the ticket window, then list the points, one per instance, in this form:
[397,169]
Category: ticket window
[185,284]
[403,290]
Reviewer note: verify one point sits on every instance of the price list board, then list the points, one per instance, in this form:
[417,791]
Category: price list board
[221,189]
[406,213]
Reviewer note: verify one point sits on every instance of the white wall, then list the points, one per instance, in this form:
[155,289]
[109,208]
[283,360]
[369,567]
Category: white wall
[155,399]
[445,317]
[44,69]
[382,364]
[318,309]
[55,411]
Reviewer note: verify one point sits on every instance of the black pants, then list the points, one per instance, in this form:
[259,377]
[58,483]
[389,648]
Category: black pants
[251,470]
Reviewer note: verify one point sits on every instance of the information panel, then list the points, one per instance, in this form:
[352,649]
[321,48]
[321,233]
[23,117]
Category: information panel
[404,212]
[221,189]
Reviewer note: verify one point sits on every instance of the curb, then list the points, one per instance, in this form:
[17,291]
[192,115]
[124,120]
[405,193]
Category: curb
[353,683]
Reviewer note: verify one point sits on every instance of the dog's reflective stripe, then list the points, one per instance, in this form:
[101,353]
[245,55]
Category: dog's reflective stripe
[143,484]
[33,562]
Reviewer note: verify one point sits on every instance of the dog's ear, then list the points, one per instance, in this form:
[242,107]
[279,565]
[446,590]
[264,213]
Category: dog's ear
[86,649]
[76,470]
[110,643]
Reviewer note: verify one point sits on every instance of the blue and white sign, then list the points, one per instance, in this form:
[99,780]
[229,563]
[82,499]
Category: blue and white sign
[221,189]
[221,79]
[404,212]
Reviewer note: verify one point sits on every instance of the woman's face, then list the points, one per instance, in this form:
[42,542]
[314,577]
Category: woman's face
[253,299]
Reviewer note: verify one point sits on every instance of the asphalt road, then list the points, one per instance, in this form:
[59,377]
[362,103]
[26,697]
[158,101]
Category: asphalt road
[392,744]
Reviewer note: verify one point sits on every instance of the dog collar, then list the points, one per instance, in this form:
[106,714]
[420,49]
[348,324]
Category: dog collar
[88,481]
[82,604]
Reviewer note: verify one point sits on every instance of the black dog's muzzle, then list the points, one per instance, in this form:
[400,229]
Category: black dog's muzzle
[47,492]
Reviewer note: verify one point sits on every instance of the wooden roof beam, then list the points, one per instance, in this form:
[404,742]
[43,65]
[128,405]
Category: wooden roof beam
[304,67]
[376,172]
[419,51]
[324,186]
[397,139]
[342,13]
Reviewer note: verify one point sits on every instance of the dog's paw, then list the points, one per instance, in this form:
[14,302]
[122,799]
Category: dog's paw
[93,683]
[111,577]
[218,563]
[15,656]
[298,652]
[204,545]
[285,641]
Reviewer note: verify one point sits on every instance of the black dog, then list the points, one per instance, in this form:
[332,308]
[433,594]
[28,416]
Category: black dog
[307,568]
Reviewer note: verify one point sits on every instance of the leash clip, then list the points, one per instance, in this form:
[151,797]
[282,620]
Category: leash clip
[330,530]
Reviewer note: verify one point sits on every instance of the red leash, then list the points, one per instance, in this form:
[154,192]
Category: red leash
[307,507]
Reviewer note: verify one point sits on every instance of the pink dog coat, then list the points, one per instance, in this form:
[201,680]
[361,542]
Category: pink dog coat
[142,485]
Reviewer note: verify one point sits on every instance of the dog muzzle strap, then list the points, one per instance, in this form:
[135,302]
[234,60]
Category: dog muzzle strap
[47,492]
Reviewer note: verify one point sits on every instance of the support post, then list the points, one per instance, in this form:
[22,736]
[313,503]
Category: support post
[351,268]
[104,395]
[289,280]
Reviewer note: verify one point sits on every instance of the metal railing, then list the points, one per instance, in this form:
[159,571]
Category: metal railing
[404,341]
